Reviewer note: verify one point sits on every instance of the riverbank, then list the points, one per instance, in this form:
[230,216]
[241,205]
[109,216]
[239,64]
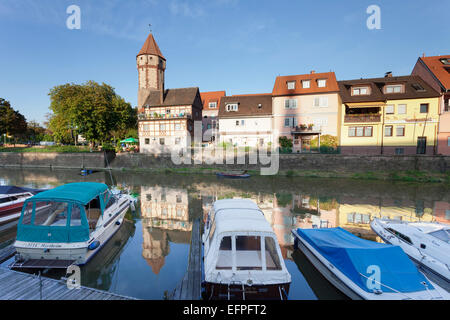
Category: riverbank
[423,169]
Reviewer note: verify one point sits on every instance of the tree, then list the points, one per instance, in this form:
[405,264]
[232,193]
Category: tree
[35,132]
[95,111]
[12,122]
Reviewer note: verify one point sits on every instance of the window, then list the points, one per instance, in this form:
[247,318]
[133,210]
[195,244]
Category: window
[321,83]
[446,104]
[287,123]
[352,131]
[27,212]
[417,87]
[399,151]
[146,127]
[232,107]
[360,131]
[290,104]
[445,61]
[167,111]
[208,126]
[393,88]
[212,105]
[306,84]
[401,109]
[161,141]
[51,214]
[390,109]
[75,215]
[248,253]
[321,102]
[291,85]
[399,235]
[224,260]
[272,258]
[178,198]
[147,141]
[448,141]
[237,122]
[162,127]
[388,131]
[400,131]
[360,91]
[177,126]
[424,108]
[242,122]
[177,140]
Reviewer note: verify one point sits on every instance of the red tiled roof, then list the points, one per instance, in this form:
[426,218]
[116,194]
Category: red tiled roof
[211,96]
[280,88]
[440,70]
[150,47]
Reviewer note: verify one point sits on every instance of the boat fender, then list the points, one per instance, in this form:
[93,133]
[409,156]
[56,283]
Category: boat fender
[94,245]
[117,223]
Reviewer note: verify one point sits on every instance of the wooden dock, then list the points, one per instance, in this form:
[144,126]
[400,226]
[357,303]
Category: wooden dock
[190,286]
[16,285]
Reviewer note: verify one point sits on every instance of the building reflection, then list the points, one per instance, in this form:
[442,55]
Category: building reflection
[165,219]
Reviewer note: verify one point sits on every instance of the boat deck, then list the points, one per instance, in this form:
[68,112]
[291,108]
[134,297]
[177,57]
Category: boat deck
[16,285]
[190,286]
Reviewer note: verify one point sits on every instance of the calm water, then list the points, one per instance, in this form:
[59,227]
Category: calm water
[147,258]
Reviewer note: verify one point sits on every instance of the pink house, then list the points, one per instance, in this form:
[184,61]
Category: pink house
[305,107]
[436,72]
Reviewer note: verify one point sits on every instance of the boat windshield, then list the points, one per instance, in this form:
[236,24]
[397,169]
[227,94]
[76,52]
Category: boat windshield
[442,234]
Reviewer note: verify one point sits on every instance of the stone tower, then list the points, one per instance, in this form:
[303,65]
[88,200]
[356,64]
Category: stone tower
[151,65]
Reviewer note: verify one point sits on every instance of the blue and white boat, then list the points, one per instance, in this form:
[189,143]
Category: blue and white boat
[364,269]
[68,224]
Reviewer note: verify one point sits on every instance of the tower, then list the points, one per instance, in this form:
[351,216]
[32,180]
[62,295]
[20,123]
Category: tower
[151,65]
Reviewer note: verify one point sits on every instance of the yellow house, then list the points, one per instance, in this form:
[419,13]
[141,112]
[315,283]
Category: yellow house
[390,115]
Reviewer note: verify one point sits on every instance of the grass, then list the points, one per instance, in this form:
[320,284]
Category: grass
[60,149]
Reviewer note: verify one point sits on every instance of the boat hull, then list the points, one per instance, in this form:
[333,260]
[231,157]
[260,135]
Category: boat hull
[10,212]
[432,274]
[233,176]
[221,291]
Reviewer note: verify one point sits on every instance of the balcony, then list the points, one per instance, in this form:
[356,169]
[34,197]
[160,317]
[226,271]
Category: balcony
[310,129]
[163,116]
[362,118]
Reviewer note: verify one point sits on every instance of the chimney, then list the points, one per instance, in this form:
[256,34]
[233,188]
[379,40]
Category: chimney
[388,74]
[312,72]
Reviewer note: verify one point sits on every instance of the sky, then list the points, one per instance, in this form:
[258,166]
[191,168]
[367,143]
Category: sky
[239,46]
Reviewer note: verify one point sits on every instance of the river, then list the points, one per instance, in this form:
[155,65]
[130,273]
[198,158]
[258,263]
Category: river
[147,257]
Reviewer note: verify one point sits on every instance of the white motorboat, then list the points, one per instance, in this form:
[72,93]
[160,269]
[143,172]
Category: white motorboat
[242,258]
[68,224]
[363,269]
[426,243]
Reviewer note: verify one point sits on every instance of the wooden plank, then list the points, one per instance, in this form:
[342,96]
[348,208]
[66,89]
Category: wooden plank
[7,253]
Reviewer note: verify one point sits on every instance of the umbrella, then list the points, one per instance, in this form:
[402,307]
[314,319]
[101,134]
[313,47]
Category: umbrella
[130,140]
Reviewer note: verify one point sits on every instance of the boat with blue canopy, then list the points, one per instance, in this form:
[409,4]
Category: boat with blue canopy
[364,269]
[68,224]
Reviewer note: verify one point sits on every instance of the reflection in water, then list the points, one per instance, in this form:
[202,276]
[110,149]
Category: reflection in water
[148,256]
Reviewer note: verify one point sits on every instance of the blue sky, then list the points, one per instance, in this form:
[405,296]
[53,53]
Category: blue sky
[235,45]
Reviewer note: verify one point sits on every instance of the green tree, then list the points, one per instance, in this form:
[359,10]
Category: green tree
[12,122]
[95,111]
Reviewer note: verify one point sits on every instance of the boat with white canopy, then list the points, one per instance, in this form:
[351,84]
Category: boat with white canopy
[363,269]
[426,243]
[242,258]
[68,224]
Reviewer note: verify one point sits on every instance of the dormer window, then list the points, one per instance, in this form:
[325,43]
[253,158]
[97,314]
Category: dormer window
[357,91]
[291,85]
[393,88]
[232,107]
[445,61]
[322,83]
[212,105]
[418,87]
[306,84]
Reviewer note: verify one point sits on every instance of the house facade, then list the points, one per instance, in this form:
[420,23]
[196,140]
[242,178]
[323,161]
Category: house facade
[210,119]
[246,120]
[436,72]
[305,107]
[390,115]
[165,116]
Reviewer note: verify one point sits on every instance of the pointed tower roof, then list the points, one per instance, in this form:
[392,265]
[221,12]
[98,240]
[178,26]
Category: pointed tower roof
[150,47]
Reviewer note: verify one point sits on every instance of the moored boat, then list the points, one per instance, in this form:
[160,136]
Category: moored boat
[242,258]
[426,243]
[363,269]
[68,225]
[233,175]
[11,202]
